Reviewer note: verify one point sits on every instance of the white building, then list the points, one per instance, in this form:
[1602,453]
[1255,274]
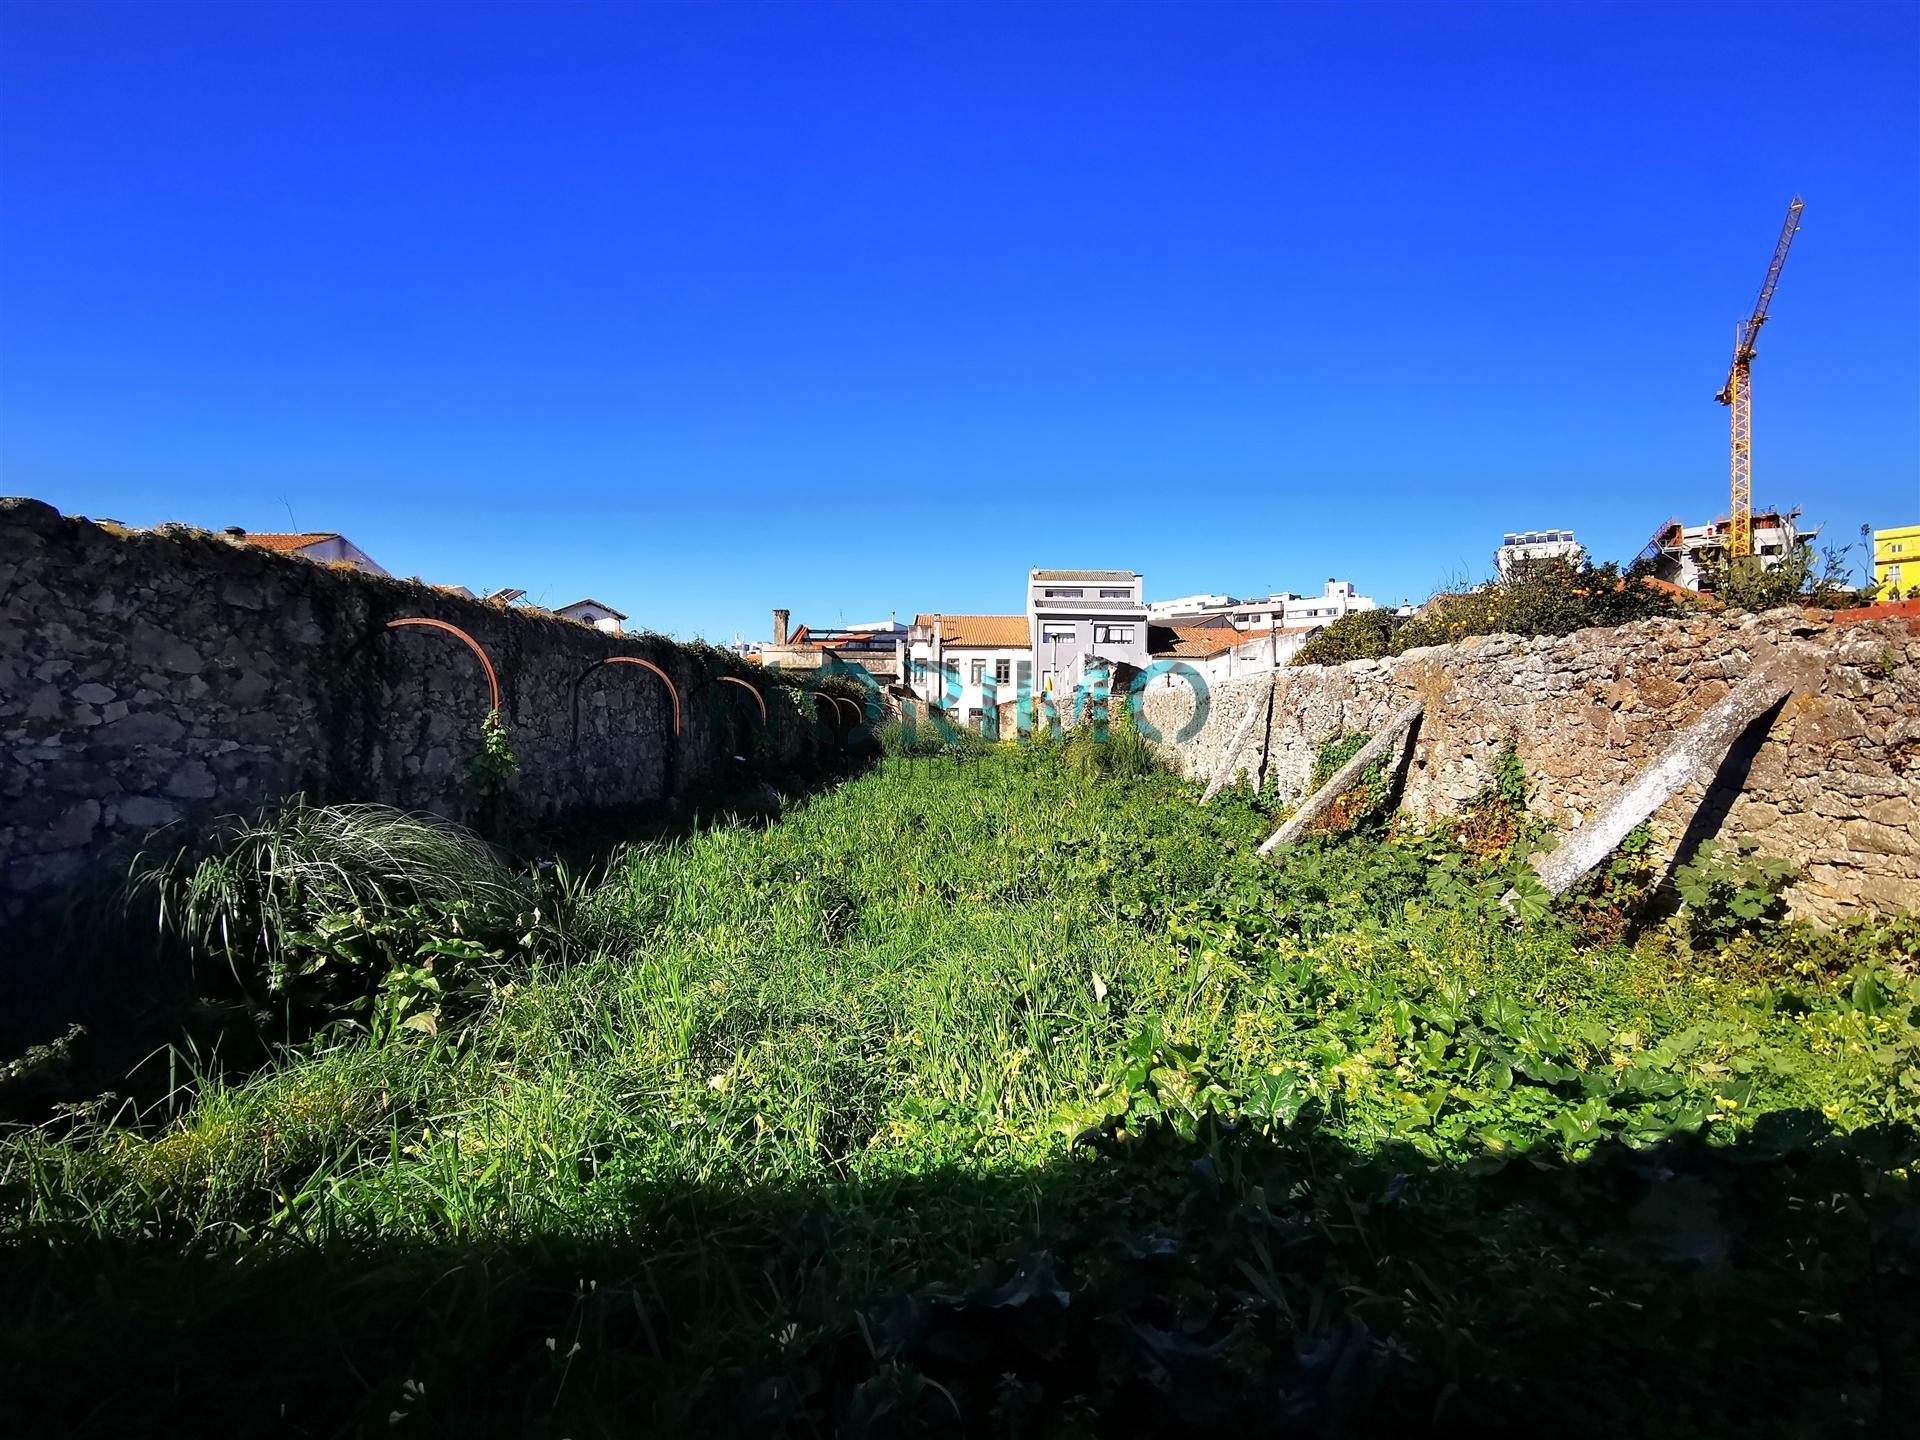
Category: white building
[1285,610]
[955,660]
[595,613]
[1221,652]
[327,547]
[1521,546]
[1187,607]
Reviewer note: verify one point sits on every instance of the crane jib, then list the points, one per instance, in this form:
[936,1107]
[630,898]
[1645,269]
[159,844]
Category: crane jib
[1743,349]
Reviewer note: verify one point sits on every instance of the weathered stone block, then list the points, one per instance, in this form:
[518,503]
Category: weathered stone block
[193,781]
[144,812]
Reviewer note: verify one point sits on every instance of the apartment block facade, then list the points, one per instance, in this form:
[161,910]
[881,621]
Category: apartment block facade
[1075,613]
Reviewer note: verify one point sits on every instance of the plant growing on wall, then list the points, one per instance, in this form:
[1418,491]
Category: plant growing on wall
[1797,579]
[496,762]
[1544,597]
[1363,799]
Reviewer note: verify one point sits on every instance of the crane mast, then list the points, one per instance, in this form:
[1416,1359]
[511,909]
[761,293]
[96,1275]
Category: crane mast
[1738,391]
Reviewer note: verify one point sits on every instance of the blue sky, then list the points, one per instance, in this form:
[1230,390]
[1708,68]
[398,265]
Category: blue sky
[854,309]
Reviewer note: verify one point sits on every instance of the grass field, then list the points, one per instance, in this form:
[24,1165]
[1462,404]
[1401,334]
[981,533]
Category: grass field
[1013,1097]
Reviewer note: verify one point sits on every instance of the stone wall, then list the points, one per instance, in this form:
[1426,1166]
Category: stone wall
[1831,782]
[149,677]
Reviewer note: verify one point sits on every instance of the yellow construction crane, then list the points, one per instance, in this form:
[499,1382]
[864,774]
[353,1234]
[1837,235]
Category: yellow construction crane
[1738,392]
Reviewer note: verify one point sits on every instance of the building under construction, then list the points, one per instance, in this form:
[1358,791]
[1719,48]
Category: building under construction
[1686,554]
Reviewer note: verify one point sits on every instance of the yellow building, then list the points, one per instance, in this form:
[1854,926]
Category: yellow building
[1896,561]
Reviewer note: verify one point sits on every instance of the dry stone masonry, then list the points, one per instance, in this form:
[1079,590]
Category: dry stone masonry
[149,677]
[1834,785]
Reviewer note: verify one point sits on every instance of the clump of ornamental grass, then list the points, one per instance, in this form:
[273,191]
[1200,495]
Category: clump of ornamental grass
[313,909]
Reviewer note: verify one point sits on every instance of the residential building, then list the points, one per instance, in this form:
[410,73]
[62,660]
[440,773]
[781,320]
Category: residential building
[1283,609]
[1520,547]
[1186,607]
[1682,553]
[598,614]
[878,647]
[1220,652]
[961,663]
[1896,562]
[1075,613]
[328,547]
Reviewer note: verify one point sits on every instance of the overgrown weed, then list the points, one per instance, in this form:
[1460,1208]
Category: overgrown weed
[1017,1089]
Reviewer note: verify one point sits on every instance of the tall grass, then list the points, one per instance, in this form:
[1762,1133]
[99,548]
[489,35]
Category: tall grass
[787,1074]
[325,898]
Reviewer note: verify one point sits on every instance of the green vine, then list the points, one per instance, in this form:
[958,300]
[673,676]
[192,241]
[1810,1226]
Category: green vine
[496,762]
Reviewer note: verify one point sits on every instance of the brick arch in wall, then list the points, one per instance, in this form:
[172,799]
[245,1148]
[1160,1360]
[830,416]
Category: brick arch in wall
[580,680]
[493,678]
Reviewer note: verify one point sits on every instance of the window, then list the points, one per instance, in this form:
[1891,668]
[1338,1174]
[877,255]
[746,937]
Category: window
[1116,594]
[1067,634]
[979,671]
[1065,594]
[1046,682]
[1002,671]
[1113,634]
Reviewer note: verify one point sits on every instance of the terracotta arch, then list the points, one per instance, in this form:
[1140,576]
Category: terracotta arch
[757,697]
[665,679]
[493,680]
[839,702]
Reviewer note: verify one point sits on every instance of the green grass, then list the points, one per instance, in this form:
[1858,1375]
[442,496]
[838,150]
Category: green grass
[1011,1095]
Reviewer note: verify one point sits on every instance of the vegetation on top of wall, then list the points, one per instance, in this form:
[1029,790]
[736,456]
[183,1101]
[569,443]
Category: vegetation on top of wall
[1798,579]
[1542,597]
[1357,635]
[1558,596]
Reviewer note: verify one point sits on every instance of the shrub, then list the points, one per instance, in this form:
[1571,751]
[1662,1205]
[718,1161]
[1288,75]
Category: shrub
[1543,597]
[319,909]
[1731,890]
[1797,579]
[1359,635]
[1608,898]
[495,763]
[1121,752]
[1494,826]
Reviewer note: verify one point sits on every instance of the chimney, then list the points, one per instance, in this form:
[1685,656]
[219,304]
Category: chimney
[780,626]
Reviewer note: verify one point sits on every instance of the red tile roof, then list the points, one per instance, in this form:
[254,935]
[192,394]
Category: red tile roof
[1203,642]
[980,632]
[289,544]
